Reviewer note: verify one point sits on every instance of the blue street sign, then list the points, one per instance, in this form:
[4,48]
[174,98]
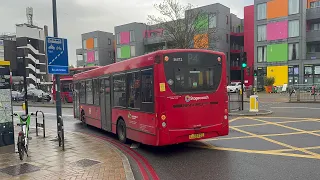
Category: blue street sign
[57,52]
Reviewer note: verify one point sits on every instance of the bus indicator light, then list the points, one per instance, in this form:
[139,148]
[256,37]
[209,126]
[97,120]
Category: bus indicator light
[166,58]
[219,59]
[163,117]
[162,87]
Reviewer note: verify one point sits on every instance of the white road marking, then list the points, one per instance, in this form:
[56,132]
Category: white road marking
[294,108]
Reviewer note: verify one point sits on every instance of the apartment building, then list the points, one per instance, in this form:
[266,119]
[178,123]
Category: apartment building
[286,41]
[97,49]
[30,44]
[135,39]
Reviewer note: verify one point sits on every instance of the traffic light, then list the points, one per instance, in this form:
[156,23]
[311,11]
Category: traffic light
[255,73]
[244,60]
[248,71]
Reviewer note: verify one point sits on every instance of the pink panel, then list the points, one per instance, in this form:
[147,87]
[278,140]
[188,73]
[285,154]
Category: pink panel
[90,56]
[147,33]
[277,30]
[124,37]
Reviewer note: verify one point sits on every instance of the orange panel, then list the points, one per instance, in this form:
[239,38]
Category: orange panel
[273,10]
[201,41]
[90,43]
[310,1]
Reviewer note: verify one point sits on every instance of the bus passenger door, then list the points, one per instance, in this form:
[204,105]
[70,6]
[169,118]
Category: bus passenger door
[76,101]
[105,104]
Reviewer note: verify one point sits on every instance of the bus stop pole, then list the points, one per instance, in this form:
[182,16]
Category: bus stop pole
[57,77]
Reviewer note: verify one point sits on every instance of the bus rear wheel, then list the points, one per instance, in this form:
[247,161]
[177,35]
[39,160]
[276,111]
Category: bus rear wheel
[82,117]
[122,131]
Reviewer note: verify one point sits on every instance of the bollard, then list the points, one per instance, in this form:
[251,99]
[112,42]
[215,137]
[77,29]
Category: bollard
[61,132]
[43,125]
[254,105]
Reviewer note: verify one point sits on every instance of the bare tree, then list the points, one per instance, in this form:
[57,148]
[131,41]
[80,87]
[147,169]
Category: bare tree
[186,26]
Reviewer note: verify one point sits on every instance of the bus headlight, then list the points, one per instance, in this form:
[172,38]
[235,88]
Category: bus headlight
[225,117]
[164,124]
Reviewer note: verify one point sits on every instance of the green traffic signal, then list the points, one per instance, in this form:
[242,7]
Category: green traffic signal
[244,65]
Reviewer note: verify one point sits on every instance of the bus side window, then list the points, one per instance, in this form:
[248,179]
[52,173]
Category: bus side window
[147,95]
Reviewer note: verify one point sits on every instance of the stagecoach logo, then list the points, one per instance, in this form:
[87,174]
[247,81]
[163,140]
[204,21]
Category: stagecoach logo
[191,98]
[130,116]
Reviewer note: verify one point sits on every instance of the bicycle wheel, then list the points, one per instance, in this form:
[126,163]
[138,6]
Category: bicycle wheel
[20,150]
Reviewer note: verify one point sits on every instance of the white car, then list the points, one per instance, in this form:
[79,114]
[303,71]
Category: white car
[235,87]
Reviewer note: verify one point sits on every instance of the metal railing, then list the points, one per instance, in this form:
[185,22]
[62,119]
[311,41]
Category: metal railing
[234,102]
[41,125]
[304,93]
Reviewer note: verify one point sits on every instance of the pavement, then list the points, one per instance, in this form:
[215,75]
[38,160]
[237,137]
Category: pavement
[85,157]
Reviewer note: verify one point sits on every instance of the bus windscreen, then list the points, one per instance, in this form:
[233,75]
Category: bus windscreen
[193,72]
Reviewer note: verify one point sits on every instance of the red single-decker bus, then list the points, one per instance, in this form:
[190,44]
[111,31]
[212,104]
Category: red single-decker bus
[162,98]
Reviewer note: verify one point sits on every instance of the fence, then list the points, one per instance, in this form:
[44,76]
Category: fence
[304,93]
[234,101]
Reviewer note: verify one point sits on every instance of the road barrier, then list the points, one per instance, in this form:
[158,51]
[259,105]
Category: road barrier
[304,93]
[41,125]
[61,132]
[234,100]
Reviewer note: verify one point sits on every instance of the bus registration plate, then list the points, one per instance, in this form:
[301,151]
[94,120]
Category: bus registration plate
[196,136]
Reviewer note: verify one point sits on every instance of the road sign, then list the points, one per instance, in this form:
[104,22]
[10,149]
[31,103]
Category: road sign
[57,51]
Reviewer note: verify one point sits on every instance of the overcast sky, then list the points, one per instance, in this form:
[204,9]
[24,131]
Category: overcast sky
[79,16]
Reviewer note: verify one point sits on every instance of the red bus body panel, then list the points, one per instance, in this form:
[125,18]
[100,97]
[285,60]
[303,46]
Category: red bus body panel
[208,116]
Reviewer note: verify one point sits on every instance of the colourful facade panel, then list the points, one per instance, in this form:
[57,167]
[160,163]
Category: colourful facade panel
[202,22]
[124,37]
[280,73]
[125,52]
[201,41]
[277,52]
[277,9]
[277,30]
[90,56]
[310,1]
[90,43]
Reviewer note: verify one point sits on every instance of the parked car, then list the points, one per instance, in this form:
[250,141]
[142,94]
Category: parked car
[38,95]
[17,96]
[234,87]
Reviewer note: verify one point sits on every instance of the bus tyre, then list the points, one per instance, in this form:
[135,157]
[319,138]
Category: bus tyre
[82,118]
[122,131]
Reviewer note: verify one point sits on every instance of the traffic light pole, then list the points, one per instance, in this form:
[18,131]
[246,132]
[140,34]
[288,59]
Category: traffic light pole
[242,81]
[57,77]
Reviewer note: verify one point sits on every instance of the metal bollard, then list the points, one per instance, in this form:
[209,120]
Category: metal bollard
[61,132]
[40,125]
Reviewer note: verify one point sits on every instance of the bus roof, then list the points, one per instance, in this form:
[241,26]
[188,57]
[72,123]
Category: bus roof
[133,63]
[84,68]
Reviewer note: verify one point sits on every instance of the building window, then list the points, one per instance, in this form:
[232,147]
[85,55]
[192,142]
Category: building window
[293,74]
[118,38]
[262,33]
[294,6]
[95,42]
[315,4]
[109,41]
[132,38]
[227,20]
[82,92]
[308,74]
[262,11]
[227,38]
[118,52]
[89,93]
[294,51]
[96,55]
[294,29]
[109,54]
[85,56]
[313,47]
[84,44]
[262,54]
[132,51]
[212,21]
[119,90]
[147,104]
[79,57]
[96,92]
[315,26]
[134,86]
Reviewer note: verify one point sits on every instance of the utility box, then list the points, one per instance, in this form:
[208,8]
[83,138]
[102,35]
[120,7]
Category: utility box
[254,103]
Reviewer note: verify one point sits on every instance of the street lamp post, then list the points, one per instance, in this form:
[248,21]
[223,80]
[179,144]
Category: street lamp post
[57,77]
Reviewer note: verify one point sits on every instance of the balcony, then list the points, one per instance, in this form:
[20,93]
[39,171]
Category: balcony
[235,48]
[313,13]
[313,55]
[313,36]
[153,40]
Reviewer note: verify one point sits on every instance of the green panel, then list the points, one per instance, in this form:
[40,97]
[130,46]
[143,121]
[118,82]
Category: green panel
[125,52]
[202,22]
[90,64]
[277,52]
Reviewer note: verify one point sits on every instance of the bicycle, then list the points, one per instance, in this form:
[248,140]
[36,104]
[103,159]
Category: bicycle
[23,136]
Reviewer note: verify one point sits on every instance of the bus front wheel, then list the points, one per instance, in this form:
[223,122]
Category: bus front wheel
[122,131]
[82,118]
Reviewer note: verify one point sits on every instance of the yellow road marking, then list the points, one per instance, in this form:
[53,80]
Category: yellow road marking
[287,127]
[288,150]
[278,122]
[208,146]
[277,142]
[266,135]
[234,119]
[271,117]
